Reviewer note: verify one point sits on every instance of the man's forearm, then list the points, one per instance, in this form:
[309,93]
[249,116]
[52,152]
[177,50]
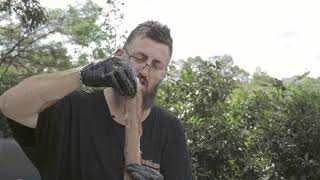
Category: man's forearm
[35,93]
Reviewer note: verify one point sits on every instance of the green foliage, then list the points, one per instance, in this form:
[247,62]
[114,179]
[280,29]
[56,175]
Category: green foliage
[30,13]
[36,46]
[199,93]
[44,48]
[295,138]
[262,128]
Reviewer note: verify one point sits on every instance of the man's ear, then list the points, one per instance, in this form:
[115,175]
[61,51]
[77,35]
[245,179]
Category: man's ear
[118,52]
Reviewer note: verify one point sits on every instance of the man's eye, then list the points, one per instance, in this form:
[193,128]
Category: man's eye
[138,59]
[157,66]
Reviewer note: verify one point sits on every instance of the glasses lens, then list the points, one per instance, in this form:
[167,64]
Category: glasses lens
[141,64]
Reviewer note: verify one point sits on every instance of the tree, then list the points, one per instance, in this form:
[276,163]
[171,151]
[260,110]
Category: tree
[47,47]
[262,128]
[30,13]
[200,93]
[294,142]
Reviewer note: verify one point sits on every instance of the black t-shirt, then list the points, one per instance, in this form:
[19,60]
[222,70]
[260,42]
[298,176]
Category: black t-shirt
[77,139]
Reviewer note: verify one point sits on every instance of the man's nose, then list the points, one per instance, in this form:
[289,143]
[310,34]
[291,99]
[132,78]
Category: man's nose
[145,70]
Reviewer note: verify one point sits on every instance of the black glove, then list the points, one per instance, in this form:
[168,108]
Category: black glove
[113,72]
[140,172]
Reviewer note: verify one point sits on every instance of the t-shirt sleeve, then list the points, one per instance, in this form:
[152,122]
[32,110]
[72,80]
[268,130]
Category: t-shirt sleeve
[175,161]
[56,133]
[52,121]
[51,137]
[25,137]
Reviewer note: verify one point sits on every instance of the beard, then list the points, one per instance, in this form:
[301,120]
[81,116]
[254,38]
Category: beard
[148,97]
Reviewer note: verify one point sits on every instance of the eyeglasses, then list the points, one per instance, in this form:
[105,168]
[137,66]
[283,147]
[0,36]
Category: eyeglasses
[141,63]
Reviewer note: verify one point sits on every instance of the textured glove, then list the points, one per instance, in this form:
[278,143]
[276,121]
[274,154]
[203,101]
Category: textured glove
[140,172]
[113,72]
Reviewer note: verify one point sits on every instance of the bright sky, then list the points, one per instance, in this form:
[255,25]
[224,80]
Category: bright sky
[280,36]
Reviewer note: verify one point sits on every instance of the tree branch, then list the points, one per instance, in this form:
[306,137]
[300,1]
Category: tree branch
[12,49]
[5,71]
[24,48]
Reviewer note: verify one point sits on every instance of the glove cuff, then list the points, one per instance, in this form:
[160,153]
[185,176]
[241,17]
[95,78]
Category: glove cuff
[80,77]
[83,70]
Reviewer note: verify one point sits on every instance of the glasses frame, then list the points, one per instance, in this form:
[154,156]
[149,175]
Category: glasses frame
[151,68]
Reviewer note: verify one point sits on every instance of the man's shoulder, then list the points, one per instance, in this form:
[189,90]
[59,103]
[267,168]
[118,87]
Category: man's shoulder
[166,117]
[169,123]
[164,112]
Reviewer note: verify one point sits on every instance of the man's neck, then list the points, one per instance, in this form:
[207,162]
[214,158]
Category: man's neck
[117,106]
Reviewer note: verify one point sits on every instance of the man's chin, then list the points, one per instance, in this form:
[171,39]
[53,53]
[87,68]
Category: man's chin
[149,97]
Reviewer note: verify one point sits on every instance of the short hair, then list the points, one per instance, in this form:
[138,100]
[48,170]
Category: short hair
[155,31]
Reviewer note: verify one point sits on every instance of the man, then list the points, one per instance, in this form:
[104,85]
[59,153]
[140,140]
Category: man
[80,135]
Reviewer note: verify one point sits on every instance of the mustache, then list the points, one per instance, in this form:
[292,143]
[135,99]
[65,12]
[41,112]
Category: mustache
[148,97]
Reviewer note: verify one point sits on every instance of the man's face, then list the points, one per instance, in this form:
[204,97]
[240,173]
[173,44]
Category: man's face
[149,59]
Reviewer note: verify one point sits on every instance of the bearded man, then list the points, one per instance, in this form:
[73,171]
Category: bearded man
[79,135]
